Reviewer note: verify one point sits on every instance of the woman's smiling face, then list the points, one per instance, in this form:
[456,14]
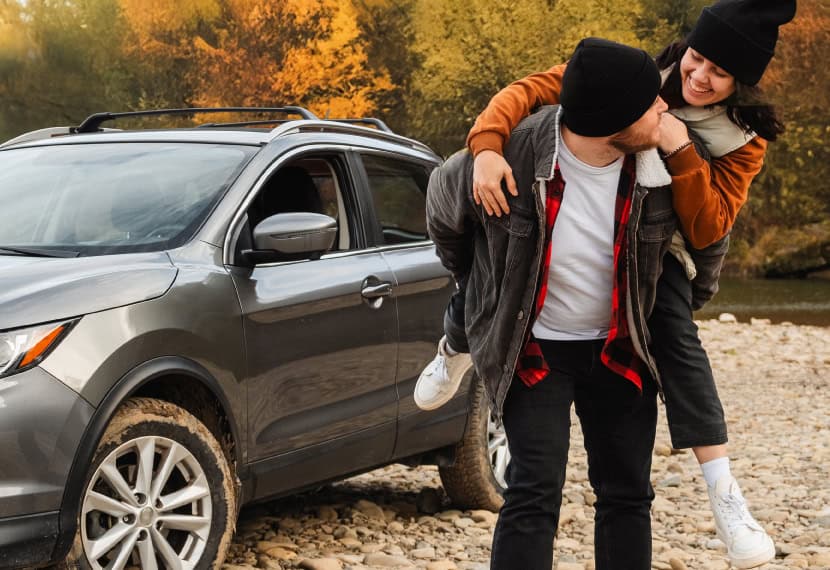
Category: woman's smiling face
[704,83]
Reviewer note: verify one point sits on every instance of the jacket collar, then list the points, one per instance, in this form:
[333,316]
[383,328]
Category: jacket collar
[651,170]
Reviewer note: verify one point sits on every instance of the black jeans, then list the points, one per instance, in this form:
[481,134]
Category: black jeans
[618,423]
[693,408]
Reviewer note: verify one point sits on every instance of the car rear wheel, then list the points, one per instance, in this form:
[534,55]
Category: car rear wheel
[160,494]
[476,480]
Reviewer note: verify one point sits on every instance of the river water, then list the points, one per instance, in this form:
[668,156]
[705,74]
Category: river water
[800,301]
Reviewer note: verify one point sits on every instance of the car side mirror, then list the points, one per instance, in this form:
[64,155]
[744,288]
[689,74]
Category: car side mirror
[292,235]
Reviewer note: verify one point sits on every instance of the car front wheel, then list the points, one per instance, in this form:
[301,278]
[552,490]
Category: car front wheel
[476,480]
[160,493]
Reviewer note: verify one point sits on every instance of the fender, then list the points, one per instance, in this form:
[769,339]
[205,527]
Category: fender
[129,384]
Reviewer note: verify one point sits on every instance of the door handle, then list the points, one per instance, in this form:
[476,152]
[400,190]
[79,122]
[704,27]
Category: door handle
[376,291]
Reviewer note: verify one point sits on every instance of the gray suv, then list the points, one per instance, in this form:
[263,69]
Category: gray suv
[195,318]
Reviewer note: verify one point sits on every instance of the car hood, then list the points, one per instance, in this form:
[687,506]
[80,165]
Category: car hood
[35,290]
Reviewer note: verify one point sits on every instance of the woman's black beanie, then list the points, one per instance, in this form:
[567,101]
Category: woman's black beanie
[739,36]
[606,87]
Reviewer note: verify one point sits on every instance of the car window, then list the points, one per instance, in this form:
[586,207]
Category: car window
[309,184]
[399,194]
[110,198]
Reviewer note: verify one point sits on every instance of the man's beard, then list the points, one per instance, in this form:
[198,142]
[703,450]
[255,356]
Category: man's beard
[629,141]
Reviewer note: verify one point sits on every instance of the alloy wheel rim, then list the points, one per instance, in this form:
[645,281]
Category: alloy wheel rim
[148,504]
[497,451]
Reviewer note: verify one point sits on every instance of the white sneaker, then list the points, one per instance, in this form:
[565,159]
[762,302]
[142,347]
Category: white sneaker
[748,545]
[440,380]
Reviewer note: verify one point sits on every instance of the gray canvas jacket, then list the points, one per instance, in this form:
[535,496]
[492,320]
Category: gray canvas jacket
[500,258]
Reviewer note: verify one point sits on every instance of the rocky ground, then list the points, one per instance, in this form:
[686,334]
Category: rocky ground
[774,381]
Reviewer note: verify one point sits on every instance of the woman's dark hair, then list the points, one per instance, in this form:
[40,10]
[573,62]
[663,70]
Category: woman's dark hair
[745,107]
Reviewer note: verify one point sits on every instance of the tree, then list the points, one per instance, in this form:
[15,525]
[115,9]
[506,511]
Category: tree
[792,189]
[387,31]
[470,49]
[68,62]
[660,23]
[262,52]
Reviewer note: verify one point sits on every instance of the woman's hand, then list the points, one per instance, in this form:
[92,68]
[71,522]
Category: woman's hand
[489,168]
[673,133]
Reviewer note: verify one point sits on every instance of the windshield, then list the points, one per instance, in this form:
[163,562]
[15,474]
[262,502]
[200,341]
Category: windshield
[97,199]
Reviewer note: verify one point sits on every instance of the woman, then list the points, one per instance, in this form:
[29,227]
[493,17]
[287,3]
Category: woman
[710,83]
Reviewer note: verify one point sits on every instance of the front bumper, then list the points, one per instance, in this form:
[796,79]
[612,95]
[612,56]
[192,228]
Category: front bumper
[41,425]
[28,540]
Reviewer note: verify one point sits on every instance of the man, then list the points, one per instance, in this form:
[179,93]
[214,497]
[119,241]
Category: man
[553,299]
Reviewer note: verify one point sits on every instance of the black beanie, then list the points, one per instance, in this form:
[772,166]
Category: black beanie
[739,35]
[606,87]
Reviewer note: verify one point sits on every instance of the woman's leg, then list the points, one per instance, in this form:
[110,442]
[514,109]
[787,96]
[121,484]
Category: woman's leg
[693,407]
[695,414]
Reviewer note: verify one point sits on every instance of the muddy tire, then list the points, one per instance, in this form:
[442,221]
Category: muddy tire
[472,482]
[159,493]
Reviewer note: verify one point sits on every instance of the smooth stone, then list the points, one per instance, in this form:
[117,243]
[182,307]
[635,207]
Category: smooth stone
[281,553]
[386,560]
[423,553]
[484,516]
[677,564]
[321,564]
[820,559]
[370,509]
[327,513]
[662,450]
[671,481]
[448,516]
[442,565]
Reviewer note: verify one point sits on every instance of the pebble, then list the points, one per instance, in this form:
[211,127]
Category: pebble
[386,560]
[442,565]
[772,380]
[322,564]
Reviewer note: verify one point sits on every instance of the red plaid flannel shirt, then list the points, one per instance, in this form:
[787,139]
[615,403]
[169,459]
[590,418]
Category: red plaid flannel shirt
[618,352]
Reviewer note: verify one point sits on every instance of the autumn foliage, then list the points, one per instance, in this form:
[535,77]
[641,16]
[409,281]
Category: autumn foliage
[426,67]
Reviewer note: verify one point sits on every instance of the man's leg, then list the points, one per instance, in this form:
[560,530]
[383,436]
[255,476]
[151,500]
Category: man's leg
[537,424]
[441,378]
[619,424]
[695,415]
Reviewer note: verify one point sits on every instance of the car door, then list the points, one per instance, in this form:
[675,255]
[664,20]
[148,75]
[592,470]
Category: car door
[321,339]
[397,185]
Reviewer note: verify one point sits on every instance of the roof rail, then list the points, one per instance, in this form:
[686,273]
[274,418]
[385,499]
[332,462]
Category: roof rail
[377,123]
[37,135]
[93,122]
[344,127]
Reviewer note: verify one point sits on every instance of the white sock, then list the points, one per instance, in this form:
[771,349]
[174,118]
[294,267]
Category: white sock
[715,469]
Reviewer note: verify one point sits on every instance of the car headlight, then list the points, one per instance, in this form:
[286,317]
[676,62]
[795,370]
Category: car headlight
[24,348]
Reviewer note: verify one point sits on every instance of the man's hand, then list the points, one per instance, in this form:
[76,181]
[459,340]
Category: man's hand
[489,168]
[673,132]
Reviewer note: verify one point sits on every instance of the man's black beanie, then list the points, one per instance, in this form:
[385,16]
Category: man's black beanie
[606,87]
[739,36]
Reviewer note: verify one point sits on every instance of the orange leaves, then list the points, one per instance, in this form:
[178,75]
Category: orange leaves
[261,52]
[289,52]
[799,60]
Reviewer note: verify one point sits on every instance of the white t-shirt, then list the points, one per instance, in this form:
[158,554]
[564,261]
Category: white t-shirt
[581,276]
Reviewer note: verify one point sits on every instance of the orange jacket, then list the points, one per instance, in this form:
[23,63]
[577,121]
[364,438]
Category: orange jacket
[707,197]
